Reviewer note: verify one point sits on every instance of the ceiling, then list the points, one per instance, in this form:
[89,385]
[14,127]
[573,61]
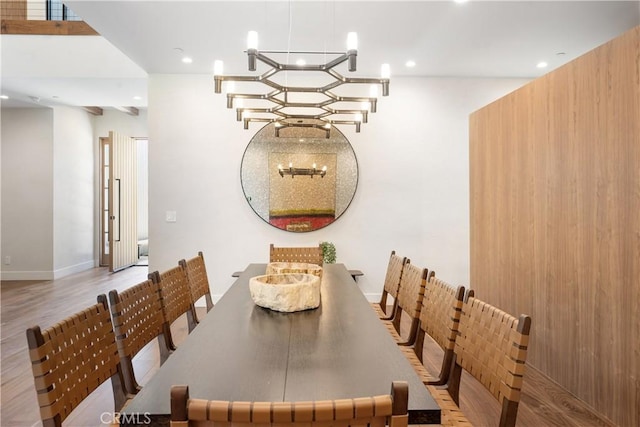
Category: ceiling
[444,38]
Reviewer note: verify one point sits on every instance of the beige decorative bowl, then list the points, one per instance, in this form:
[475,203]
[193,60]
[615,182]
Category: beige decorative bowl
[294,267]
[286,292]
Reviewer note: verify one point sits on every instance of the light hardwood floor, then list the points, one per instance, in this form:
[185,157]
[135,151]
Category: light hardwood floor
[25,304]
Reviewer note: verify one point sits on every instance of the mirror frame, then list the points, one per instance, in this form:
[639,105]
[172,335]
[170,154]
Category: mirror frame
[346,184]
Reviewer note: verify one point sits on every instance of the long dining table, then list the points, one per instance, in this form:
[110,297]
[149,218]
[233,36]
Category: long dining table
[241,351]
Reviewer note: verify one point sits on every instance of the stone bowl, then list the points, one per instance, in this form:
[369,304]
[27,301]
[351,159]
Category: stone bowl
[294,267]
[286,292]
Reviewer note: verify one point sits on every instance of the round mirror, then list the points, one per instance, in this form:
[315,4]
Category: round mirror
[299,178]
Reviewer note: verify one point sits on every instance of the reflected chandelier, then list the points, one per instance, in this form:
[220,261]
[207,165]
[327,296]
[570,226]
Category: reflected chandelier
[312,171]
[320,115]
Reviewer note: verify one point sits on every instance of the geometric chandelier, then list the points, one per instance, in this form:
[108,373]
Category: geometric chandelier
[285,105]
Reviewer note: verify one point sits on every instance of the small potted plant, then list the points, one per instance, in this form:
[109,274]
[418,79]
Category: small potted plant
[328,252]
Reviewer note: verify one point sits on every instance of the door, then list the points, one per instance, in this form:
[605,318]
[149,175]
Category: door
[122,202]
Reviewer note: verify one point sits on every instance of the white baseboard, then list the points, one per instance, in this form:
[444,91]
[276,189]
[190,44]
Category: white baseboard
[73,269]
[47,275]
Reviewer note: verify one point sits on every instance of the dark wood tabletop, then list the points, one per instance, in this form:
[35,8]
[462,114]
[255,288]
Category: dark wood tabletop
[244,352]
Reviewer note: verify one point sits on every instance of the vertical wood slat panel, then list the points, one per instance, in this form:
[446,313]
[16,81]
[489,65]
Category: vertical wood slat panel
[124,167]
[555,221]
[13,9]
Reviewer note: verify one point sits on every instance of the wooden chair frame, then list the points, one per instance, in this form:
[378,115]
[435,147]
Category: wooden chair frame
[376,411]
[412,288]
[439,320]
[198,281]
[491,346]
[71,359]
[175,297]
[137,320]
[310,255]
[391,286]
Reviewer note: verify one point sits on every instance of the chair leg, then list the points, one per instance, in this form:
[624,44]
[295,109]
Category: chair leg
[118,386]
[166,327]
[192,318]
[130,382]
[164,348]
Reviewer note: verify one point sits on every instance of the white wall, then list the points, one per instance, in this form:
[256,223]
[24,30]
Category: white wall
[27,193]
[74,186]
[50,177]
[413,192]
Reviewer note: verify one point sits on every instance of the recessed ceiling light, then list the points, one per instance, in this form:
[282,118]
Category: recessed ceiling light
[301,62]
[4,96]
[410,63]
[137,98]
[187,60]
[542,64]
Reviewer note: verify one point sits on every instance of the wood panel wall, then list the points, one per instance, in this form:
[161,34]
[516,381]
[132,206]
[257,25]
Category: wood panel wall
[555,221]
[13,9]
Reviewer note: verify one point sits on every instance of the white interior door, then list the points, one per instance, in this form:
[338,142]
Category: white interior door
[123,216]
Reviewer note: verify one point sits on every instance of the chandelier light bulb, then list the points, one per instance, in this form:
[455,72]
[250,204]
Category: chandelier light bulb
[352,41]
[324,168]
[290,165]
[218,67]
[314,165]
[252,40]
[373,91]
[231,87]
[358,117]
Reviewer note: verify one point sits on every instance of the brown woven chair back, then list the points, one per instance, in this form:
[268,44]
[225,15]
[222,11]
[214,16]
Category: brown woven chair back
[174,292]
[137,320]
[492,346]
[175,298]
[309,255]
[412,285]
[394,274]
[71,359]
[376,411]
[439,319]
[198,280]
[441,310]
[391,287]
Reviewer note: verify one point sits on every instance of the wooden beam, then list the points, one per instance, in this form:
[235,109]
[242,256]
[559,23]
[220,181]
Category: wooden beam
[132,111]
[96,111]
[56,28]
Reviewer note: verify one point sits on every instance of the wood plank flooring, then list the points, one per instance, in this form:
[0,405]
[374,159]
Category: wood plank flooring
[26,303]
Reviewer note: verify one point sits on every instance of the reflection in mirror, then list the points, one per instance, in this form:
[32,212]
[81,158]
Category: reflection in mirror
[300,180]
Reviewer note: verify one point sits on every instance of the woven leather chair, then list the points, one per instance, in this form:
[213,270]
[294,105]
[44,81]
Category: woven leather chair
[439,320]
[309,255]
[491,346]
[71,359]
[137,320]
[198,281]
[412,286]
[391,286]
[376,411]
[175,297]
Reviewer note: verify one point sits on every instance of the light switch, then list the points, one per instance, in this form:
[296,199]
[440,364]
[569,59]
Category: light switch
[170,216]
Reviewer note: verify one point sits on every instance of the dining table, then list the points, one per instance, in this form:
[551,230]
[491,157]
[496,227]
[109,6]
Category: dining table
[242,352]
